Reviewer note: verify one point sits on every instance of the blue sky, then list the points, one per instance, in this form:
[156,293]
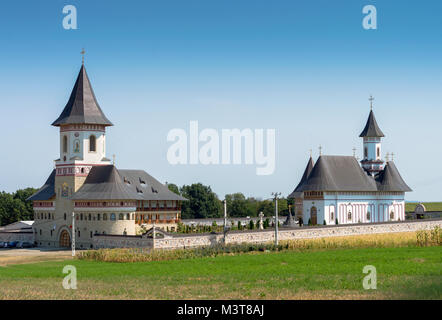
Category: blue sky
[304,68]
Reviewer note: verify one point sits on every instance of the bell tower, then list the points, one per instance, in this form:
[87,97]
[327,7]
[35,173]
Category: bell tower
[82,126]
[371,161]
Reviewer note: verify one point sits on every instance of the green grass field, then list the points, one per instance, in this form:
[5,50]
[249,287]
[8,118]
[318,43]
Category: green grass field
[429,206]
[403,273]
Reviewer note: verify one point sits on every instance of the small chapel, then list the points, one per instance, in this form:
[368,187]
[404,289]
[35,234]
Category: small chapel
[341,190]
[86,193]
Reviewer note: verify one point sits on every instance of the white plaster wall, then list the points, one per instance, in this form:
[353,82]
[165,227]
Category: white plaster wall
[83,139]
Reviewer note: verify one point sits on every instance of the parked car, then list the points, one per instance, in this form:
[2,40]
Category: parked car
[5,244]
[2,244]
[24,244]
[12,244]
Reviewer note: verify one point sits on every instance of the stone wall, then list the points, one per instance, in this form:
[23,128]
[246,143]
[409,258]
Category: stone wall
[177,241]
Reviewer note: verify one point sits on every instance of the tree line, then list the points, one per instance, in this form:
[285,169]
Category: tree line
[203,203]
[14,207]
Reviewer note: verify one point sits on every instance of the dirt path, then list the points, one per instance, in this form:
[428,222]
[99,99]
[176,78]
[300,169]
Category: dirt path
[20,256]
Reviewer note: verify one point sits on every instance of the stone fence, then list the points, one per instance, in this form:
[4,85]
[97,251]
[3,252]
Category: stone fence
[164,240]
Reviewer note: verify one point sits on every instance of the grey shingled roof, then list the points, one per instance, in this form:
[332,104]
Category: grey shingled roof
[47,191]
[338,173]
[82,107]
[147,186]
[371,127]
[307,171]
[109,183]
[390,179]
[105,183]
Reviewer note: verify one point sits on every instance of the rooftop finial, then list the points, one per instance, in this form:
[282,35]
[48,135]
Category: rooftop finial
[371,102]
[354,152]
[392,156]
[320,150]
[310,153]
[113,158]
[387,157]
[82,56]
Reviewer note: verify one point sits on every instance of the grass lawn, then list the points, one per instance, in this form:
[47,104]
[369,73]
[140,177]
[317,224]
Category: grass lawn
[429,206]
[403,273]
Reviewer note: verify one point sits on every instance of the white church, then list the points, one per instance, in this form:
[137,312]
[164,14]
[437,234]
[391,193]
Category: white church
[339,190]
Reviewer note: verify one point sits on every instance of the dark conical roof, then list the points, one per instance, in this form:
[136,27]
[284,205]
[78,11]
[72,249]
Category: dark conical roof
[307,171]
[390,179]
[82,107]
[371,127]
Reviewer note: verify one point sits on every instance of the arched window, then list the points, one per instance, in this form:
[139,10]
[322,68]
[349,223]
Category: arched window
[368,215]
[128,216]
[365,153]
[65,144]
[92,143]
[349,216]
[332,216]
[104,216]
[121,216]
[65,216]
[378,152]
[112,217]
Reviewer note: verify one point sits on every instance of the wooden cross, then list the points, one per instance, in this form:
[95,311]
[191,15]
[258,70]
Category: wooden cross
[371,102]
[82,55]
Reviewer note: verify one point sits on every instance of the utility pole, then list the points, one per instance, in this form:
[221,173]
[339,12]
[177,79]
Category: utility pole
[275,197]
[225,219]
[73,233]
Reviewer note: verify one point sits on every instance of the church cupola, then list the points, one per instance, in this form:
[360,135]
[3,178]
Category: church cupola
[371,135]
[82,126]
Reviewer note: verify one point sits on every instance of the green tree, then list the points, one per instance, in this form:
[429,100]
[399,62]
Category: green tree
[236,205]
[203,202]
[174,188]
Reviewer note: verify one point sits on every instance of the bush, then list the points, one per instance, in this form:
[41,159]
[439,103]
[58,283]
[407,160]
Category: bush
[251,225]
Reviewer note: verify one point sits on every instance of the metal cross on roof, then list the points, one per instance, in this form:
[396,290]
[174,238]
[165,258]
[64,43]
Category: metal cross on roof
[392,156]
[387,156]
[82,55]
[320,150]
[371,102]
[354,152]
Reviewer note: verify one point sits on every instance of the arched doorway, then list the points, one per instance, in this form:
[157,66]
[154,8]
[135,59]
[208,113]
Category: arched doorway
[65,239]
[313,216]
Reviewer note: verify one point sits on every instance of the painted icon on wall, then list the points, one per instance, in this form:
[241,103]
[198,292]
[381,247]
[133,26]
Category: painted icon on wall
[77,146]
[64,190]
